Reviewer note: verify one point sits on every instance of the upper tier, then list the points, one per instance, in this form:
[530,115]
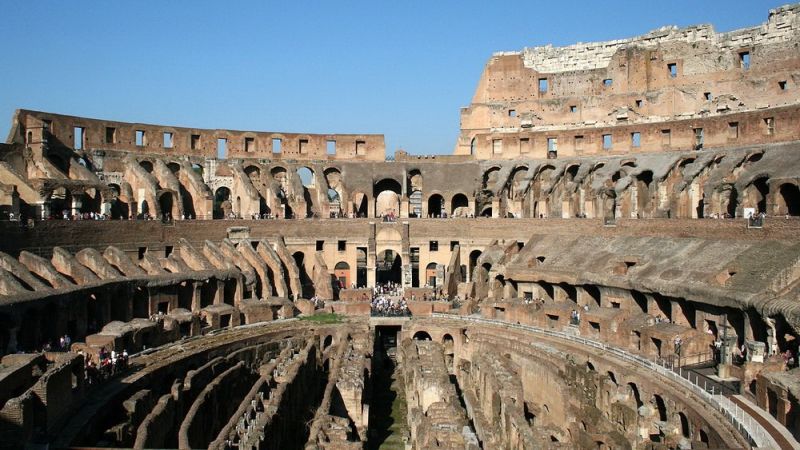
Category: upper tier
[669,79]
[82,133]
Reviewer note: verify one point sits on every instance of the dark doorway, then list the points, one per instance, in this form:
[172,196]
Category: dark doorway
[389,267]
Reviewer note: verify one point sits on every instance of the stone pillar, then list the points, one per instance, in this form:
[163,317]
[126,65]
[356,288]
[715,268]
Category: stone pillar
[404,208]
[495,208]
[197,295]
[219,292]
[371,256]
[77,204]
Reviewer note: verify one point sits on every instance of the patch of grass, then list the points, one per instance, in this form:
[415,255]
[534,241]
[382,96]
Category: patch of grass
[326,318]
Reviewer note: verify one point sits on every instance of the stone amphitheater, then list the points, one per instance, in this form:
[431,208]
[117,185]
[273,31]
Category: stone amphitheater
[609,259]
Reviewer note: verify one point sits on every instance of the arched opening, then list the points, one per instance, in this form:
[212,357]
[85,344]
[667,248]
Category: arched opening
[360,206]
[760,195]
[733,202]
[473,261]
[472,148]
[415,204]
[308,182]
[703,436]
[389,267]
[387,197]
[447,342]
[634,390]
[306,177]
[571,172]
[422,336]
[342,273]
[144,209]
[516,183]
[685,429]
[487,212]
[306,284]
[222,203]
[175,168]
[436,206]
[119,208]
[459,206]
[146,165]
[327,342]
[361,267]
[167,205]
[789,199]
[661,407]
[430,275]
[334,202]
[594,293]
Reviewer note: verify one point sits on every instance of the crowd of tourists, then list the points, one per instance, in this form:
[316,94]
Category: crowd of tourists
[108,364]
[387,300]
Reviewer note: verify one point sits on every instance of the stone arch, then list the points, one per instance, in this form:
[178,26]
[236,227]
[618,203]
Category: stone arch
[473,262]
[342,273]
[307,176]
[788,200]
[516,182]
[459,205]
[120,208]
[634,390]
[168,205]
[436,206]
[686,428]
[222,202]
[387,197]
[661,407]
[422,336]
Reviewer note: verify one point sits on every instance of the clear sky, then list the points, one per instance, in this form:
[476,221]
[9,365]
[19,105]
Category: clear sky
[401,68]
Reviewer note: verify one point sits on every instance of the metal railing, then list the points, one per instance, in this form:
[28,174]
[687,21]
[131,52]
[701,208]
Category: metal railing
[745,424]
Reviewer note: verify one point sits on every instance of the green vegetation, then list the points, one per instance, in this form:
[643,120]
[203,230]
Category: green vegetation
[326,318]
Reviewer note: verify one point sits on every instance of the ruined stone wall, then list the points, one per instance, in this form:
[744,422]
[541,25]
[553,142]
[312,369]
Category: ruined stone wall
[669,79]
[105,135]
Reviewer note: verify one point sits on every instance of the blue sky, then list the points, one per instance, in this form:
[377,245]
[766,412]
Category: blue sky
[399,68]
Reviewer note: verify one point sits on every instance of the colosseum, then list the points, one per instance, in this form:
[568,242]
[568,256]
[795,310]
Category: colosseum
[609,259]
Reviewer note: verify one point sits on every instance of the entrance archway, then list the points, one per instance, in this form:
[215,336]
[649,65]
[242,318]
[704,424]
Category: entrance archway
[389,267]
